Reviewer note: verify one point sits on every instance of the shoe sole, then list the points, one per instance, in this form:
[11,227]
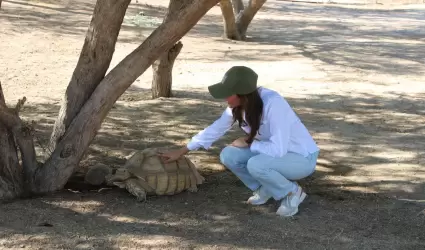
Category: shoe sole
[257,203]
[302,197]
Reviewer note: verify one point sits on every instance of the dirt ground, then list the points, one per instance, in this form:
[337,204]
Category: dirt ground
[354,74]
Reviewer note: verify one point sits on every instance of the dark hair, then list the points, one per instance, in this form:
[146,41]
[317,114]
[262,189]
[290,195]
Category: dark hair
[252,104]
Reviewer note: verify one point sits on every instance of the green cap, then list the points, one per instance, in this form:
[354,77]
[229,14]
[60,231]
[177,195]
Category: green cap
[238,80]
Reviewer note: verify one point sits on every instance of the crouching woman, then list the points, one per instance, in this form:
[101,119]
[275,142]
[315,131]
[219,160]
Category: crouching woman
[278,149]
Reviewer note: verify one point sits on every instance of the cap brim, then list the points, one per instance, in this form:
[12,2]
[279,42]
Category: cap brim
[219,91]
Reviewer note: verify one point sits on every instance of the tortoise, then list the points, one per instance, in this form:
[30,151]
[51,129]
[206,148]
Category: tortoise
[145,174]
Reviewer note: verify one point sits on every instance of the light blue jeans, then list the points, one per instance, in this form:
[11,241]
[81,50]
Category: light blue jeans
[275,175]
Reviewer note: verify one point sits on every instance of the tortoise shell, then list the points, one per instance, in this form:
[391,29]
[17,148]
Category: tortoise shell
[157,177]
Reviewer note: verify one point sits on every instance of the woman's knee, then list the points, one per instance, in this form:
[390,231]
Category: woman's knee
[227,155]
[231,156]
[256,165]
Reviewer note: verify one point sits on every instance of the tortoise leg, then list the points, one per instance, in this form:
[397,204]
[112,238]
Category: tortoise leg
[133,186]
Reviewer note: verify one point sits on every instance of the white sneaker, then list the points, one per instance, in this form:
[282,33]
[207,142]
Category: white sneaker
[259,197]
[290,203]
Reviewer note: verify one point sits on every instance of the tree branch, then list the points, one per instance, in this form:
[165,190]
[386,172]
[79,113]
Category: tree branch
[174,7]
[23,134]
[175,51]
[245,17]
[237,6]
[20,104]
[162,68]
[93,63]
[230,28]
[69,151]
[11,177]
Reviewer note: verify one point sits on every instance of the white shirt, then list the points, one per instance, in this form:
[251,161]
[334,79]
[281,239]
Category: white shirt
[280,131]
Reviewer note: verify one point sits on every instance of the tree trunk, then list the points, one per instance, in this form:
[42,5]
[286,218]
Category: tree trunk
[230,29]
[236,30]
[0,4]
[163,67]
[77,136]
[11,176]
[94,61]
[245,17]
[163,72]
[11,173]
[83,128]
[237,6]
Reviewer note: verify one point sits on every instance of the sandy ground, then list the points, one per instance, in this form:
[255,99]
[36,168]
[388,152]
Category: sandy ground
[353,74]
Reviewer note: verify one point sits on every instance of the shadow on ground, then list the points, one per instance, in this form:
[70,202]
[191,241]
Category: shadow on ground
[333,216]
[370,40]
[370,144]
[213,218]
[371,141]
[373,41]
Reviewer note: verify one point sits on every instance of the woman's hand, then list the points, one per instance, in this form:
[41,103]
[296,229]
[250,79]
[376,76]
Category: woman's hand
[174,155]
[240,143]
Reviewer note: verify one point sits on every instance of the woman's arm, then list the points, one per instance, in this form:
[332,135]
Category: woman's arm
[212,133]
[204,138]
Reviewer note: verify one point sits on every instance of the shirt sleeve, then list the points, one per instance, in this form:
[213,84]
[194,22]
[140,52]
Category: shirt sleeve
[280,117]
[212,133]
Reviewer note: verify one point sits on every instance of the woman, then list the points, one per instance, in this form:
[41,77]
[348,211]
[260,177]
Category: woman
[278,149]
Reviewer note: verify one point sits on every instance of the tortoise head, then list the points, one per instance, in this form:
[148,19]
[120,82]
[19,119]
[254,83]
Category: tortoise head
[96,175]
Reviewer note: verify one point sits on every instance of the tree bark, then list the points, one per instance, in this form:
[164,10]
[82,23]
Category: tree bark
[22,134]
[94,61]
[230,28]
[243,17]
[83,128]
[237,6]
[11,174]
[163,67]
[163,72]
